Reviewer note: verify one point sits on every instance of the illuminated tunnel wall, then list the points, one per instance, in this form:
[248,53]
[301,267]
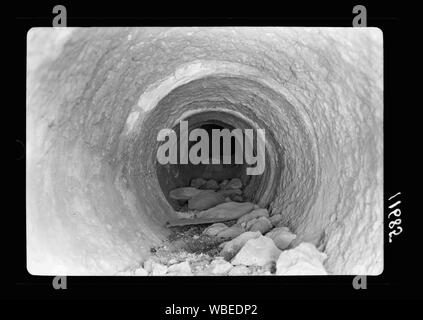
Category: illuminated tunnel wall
[97,97]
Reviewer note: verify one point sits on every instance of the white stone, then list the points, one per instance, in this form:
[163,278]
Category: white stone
[239,270]
[158,269]
[220,267]
[249,223]
[140,272]
[281,236]
[214,229]
[262,224]
[232,247]
[230,232]
[227,210]
[304,259]
[180,269]
[257,252]
[185,214]
[253,214]
[275,219]
[223,244]
[205,199]
[148,265]
[235,183]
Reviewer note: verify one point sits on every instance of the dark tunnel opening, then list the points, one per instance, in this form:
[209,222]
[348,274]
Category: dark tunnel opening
[172,176]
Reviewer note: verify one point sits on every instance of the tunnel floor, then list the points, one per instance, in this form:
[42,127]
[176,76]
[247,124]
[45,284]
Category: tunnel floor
[225,235]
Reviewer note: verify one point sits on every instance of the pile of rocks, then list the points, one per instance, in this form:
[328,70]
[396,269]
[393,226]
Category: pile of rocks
[204,194]
[256,243]
[250,253]
[246,240]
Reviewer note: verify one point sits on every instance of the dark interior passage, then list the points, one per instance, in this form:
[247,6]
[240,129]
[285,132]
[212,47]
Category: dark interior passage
[173,176]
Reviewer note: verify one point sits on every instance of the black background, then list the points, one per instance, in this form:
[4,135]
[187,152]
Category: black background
[401,277]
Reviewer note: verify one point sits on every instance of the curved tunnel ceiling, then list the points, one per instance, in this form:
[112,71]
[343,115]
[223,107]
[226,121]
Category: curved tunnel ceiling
[98,100]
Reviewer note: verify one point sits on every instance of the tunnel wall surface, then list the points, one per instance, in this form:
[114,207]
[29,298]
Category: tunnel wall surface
[97,97]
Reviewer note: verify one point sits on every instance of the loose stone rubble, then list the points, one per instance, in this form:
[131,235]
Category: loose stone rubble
[231,232]
[205,199]
[275,219]
[220,267]
[214,229]
[233,184]
[281,236]
[232,210]
[180,269]
[204,194]
[252,215]
[198,182]
[184,194]
[158,269]
[231,248]
[239,270]
[249,241]
[257,252]
[304,259]
[261,224]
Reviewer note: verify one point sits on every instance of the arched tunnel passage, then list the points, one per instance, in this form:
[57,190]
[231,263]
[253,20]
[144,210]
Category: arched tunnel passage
[97,98]
[171,176]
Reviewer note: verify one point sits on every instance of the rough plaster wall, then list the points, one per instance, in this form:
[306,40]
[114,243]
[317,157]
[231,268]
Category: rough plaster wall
[97,98]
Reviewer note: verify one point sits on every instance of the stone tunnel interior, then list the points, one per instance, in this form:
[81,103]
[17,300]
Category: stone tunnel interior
[97,199]
[171,176]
